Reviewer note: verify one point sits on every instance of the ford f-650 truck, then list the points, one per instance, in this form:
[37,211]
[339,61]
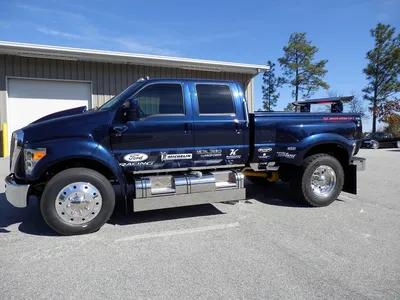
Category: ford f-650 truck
[165,143]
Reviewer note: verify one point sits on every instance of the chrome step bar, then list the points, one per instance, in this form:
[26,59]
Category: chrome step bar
[184,189]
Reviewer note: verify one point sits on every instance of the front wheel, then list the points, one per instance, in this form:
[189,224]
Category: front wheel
[319,181]
[77,201]
[374,144]
[398,144]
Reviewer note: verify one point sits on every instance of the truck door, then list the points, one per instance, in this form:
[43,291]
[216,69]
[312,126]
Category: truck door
[163,136]
[220,124]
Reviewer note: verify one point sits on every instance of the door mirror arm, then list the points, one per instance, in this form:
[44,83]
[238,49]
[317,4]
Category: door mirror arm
[131,109]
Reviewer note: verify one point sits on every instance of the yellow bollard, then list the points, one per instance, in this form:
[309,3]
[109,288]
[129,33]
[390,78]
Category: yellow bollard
[5,139]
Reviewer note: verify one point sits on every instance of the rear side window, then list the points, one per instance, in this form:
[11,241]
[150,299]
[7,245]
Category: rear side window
[215,99]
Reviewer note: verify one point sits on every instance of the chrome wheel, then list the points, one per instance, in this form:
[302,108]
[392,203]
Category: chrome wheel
[78,203]
[323,181]
[375,144]
[398,144]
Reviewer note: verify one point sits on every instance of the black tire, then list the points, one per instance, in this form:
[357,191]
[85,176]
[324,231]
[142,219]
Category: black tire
[261,181]
[375,144]
[64,178]
[301,180]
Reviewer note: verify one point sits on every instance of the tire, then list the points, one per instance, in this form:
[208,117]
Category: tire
[77,201]
[260,181]
[308,191]
[375,144]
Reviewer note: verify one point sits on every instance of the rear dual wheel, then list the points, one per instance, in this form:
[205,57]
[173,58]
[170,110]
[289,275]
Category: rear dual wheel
[319,180]
[77,201]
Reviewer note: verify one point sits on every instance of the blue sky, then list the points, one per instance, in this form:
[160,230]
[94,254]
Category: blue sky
[239,31]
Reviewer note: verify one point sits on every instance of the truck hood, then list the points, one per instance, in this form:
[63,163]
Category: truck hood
[63,113]
[72,123]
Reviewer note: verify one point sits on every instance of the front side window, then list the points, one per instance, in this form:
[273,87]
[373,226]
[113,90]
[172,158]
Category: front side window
[214,99]
[161,99]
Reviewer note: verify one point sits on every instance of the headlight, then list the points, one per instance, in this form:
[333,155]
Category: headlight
[31,157]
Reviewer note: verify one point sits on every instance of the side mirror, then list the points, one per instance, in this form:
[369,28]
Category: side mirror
[130,107]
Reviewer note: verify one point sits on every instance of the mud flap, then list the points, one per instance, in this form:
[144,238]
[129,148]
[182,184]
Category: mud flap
[350,179]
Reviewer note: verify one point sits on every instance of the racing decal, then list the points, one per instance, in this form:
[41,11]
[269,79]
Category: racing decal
[177,156]
[209,153]
[291,148]
[233,154]
[338,118]
[264,150]
[134,157]
[139,163]
[286,155]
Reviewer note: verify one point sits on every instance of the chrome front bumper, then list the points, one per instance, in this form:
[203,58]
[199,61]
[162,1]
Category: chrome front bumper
[16,194]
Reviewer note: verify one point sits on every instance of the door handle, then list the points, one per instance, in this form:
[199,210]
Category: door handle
[120,129]
[238,126]
[186,128]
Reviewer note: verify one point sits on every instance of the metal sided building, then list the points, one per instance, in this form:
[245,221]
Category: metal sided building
[36,80]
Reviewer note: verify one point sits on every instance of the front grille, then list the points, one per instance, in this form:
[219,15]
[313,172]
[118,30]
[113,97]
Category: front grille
[12,150]
[15,149]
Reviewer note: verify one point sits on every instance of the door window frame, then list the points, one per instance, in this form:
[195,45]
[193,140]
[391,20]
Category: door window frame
[163,115]
[215,114]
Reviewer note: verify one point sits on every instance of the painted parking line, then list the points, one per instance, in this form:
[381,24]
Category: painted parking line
[178,232]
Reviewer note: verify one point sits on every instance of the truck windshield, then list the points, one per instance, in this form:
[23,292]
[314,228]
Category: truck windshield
[129,90]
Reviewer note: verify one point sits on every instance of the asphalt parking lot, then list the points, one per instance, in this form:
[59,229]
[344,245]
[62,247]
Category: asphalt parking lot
[265,248]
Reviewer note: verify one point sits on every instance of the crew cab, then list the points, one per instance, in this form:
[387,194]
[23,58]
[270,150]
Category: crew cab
[164,143]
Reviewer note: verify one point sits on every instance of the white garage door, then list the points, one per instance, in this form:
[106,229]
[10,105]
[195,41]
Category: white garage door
[31,99]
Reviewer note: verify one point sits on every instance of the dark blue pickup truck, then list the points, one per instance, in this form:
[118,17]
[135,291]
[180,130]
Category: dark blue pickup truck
[166,143]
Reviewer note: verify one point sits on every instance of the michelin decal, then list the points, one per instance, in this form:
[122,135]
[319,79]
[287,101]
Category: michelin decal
[178,156]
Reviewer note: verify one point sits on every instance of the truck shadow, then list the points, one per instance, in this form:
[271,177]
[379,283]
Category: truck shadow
[29,220]
[277,194]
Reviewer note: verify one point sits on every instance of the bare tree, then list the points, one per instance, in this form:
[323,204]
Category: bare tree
[357,105]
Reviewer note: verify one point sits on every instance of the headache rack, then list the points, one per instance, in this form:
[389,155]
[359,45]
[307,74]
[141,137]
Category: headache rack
[335,102]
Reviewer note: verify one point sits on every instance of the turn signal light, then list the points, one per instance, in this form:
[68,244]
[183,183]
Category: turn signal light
[38,155]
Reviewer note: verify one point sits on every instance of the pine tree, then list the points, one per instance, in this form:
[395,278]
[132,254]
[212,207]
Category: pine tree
[270,86]
[289,107]
[383,68]
[299,68]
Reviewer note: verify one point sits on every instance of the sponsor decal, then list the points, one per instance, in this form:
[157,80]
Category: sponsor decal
[209,153]
[177,156]
[338,118]
[264,156]
[233,154]
[135,164]
[131,157]
[286,155]
[291,148]
[265,150]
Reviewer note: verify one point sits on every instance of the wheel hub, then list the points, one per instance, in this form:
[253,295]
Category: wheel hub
[323,181]
[78,203]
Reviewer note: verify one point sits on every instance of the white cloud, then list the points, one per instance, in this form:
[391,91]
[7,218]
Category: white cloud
[60,34]
[154,40]
[131,45]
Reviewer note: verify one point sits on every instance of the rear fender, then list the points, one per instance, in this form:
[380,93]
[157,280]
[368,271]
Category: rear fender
[312,141]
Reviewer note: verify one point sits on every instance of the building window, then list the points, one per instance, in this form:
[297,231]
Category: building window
[161,99]
[214,99]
